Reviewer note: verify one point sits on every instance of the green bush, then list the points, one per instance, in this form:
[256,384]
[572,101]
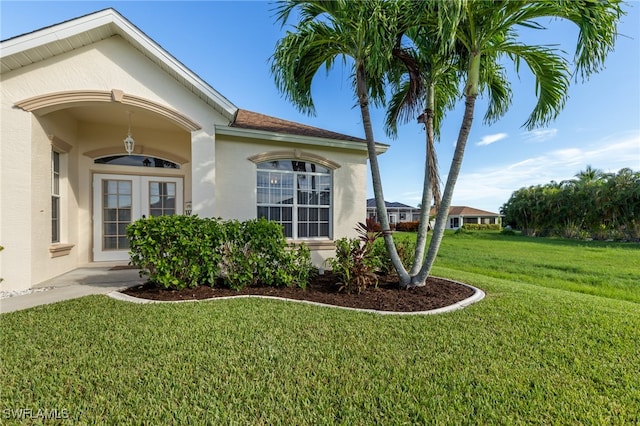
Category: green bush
[354,265]
[186,251]
[481,226]
[408,226]
[405,247]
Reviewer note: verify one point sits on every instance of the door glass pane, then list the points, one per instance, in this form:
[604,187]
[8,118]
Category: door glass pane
[162,198]
[116,213]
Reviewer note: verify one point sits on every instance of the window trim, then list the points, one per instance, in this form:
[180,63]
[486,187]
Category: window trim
[295,204]
[62,148]
[55,197]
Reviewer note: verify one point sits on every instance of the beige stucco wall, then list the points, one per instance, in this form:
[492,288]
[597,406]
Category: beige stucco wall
[25,154]
[218,176]
[236,184]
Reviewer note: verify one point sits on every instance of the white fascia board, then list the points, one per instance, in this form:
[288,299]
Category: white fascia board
[303,140]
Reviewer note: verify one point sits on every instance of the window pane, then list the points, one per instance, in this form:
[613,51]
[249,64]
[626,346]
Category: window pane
[288,230]
[324,229]
[110,229]
[303,214]
[274,214]
[124,215]
[324,215]
[124,187]
[287,214]
[302,230]
[262,196]
[110,243]
[263,212]
[124,201]
[123,243]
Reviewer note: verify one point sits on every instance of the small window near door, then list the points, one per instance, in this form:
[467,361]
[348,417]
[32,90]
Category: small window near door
[55,196]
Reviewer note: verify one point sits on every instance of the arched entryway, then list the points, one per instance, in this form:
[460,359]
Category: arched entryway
[102,187]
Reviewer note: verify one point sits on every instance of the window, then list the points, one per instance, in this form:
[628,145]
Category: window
[296,194]
[454,222]
[137,161]
[55,197]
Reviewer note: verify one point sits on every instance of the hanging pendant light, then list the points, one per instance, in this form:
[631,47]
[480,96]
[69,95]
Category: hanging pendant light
[129,143]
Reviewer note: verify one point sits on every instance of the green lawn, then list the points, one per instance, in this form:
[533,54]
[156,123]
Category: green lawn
[527,353]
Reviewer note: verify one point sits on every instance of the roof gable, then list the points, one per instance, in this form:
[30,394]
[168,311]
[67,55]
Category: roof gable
[67,36]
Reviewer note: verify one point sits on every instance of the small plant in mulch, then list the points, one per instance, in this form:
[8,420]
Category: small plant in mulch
[355,264]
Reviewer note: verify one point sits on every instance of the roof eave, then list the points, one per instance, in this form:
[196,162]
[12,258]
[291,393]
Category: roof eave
[298,139]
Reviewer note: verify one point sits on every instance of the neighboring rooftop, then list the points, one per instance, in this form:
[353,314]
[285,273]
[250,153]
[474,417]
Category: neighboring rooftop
[465,211]
[371,203]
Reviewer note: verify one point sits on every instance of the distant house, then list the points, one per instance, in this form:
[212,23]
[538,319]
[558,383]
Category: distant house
[458,215]
[461,215]
[397,212]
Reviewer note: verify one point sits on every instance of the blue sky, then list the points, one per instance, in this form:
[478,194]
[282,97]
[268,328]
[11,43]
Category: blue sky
[228,44]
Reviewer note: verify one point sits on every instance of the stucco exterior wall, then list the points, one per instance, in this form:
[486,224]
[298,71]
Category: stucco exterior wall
[25,154]
[236,185]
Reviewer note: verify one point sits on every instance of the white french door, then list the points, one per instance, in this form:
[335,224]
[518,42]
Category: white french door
[119,200]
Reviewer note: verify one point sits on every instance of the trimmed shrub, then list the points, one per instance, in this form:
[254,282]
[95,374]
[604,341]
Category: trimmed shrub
[408,226]
[176,251]
[481,226]
[186,251]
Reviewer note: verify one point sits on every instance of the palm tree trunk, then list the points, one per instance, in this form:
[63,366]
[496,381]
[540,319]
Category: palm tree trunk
[431,181]
[443,211]
[363,100]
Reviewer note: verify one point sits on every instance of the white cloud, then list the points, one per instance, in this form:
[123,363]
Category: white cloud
[540,135]
[489,139]
[490,187]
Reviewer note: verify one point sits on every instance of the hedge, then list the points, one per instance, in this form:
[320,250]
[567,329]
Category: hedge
[186,251]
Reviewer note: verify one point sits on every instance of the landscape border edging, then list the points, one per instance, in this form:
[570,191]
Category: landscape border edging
[477,296]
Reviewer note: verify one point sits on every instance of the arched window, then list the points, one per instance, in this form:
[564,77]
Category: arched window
[137,161]
[296,194]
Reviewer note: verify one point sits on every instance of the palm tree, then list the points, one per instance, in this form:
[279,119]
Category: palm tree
[487,30]
[424,85]
[481,33]
[327,31]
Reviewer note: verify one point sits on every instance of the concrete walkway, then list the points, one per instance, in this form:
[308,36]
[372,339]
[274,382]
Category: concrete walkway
[77,283]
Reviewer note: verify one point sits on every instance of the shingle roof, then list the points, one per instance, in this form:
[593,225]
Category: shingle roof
[465,211]
[371,202]
[255,121]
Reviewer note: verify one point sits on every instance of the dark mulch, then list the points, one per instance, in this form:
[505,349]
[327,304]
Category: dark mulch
[387,296]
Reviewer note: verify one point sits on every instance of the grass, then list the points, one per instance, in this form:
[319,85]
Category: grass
[525,354]
[600,268]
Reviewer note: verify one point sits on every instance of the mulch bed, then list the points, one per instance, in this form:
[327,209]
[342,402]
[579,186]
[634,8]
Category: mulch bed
[387,296]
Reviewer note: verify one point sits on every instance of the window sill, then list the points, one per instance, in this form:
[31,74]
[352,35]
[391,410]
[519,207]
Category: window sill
[60,249]
[316,244]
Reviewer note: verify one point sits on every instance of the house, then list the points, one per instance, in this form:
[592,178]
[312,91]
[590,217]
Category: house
[101,126]
[397,212]
[461,215]
[458,215]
